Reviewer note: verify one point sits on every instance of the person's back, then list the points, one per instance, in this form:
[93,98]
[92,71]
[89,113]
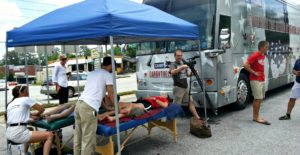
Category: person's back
[93,91]
[18,110]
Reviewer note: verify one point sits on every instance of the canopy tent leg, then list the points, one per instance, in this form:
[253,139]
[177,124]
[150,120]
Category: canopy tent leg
[111,40]
[26,67]
[77,71]
[6,73]
[47,72]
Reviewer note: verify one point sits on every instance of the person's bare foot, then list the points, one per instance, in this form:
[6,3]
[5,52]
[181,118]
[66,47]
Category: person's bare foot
[110,119]
[48,118]
[101,117]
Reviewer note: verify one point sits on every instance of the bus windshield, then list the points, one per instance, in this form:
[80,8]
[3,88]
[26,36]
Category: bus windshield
[199,12]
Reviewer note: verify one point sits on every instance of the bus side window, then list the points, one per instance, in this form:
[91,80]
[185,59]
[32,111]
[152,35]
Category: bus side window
[224,31]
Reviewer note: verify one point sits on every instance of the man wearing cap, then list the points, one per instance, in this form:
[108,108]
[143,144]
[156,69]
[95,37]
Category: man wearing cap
[60,79]
[98,83]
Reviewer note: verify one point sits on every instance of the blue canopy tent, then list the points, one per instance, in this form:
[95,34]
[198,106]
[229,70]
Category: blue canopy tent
[102,22]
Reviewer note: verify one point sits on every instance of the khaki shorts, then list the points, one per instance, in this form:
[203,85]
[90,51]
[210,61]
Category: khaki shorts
[181,95]
[258,89]
[18,134]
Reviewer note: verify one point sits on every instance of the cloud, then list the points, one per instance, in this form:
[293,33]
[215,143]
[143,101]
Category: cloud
[61,3]
[297,2]
[138,1]
[9,12]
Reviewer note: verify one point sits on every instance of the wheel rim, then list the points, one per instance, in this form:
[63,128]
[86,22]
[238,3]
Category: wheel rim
[242,92]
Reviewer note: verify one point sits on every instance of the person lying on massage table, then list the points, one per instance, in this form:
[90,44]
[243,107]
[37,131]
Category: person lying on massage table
[134,109]
[59,112]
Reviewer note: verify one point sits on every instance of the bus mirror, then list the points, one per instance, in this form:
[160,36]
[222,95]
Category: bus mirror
[224,38]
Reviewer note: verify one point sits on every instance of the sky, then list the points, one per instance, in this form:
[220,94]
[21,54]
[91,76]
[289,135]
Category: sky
[15,13]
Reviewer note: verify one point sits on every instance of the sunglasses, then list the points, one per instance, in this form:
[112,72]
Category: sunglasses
[21,87]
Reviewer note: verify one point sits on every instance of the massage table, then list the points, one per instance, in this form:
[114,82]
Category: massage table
[153,118]
[54,127]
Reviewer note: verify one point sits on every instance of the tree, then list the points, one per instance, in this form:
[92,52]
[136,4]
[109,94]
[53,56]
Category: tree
[53,57]
[31,59]
[12,58]
[117,50]
[131,51]
[84,51]
[69,56]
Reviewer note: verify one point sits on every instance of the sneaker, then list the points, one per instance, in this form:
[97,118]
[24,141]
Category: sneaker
[285,117]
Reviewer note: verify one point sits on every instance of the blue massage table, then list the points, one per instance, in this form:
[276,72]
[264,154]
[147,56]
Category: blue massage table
[172,111]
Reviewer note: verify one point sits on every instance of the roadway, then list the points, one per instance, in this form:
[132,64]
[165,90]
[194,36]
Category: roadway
[124,84]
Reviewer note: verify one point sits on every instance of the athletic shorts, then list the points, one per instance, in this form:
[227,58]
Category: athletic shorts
[63,95]
[181,95]
[18,134]
[295,93]
[258,89]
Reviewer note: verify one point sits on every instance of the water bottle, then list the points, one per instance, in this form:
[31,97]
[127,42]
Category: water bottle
[20,148]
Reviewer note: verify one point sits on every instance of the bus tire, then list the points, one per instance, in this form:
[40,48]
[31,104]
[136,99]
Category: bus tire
[243,92]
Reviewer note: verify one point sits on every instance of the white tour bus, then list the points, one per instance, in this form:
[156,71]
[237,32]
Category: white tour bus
[237,26]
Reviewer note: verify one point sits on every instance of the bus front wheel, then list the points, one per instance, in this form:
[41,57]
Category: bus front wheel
[243,92]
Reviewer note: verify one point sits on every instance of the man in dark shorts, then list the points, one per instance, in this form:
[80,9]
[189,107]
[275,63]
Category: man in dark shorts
[60,79]
[179,72]
[295,93]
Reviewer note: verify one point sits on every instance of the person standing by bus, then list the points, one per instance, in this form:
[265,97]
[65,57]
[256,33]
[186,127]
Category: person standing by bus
[295,92]
[98,83]
[60,79]
[179,72]
[255,66]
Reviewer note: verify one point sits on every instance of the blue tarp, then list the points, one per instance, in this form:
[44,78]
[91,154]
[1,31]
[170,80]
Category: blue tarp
[93,21]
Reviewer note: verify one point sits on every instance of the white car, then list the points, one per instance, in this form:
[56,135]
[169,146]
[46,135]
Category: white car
[2,84]
[72,85]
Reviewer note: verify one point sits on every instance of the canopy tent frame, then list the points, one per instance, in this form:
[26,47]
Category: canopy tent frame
[122,29]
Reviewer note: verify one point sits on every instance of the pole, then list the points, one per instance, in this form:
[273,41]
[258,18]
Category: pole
[100,55]
[6,73]
[47,73]
[203,82]
[115,92]
[77,71]
[26,66]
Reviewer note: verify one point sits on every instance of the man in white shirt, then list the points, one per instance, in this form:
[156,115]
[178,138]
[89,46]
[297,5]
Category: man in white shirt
[60,79]
[98,83]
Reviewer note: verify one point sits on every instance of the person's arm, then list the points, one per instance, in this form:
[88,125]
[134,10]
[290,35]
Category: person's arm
[55,78]
[36,115]
[247,66]
[296,73]
[110,91]
[54,75]
[175,71]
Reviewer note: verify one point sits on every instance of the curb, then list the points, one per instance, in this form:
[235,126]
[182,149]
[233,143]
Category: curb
[53,104]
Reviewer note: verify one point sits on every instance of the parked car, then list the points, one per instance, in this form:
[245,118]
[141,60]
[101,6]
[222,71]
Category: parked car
[2,84]
[13,83]
[72,85]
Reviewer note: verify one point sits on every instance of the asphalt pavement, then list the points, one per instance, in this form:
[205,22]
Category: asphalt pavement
[234,133]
